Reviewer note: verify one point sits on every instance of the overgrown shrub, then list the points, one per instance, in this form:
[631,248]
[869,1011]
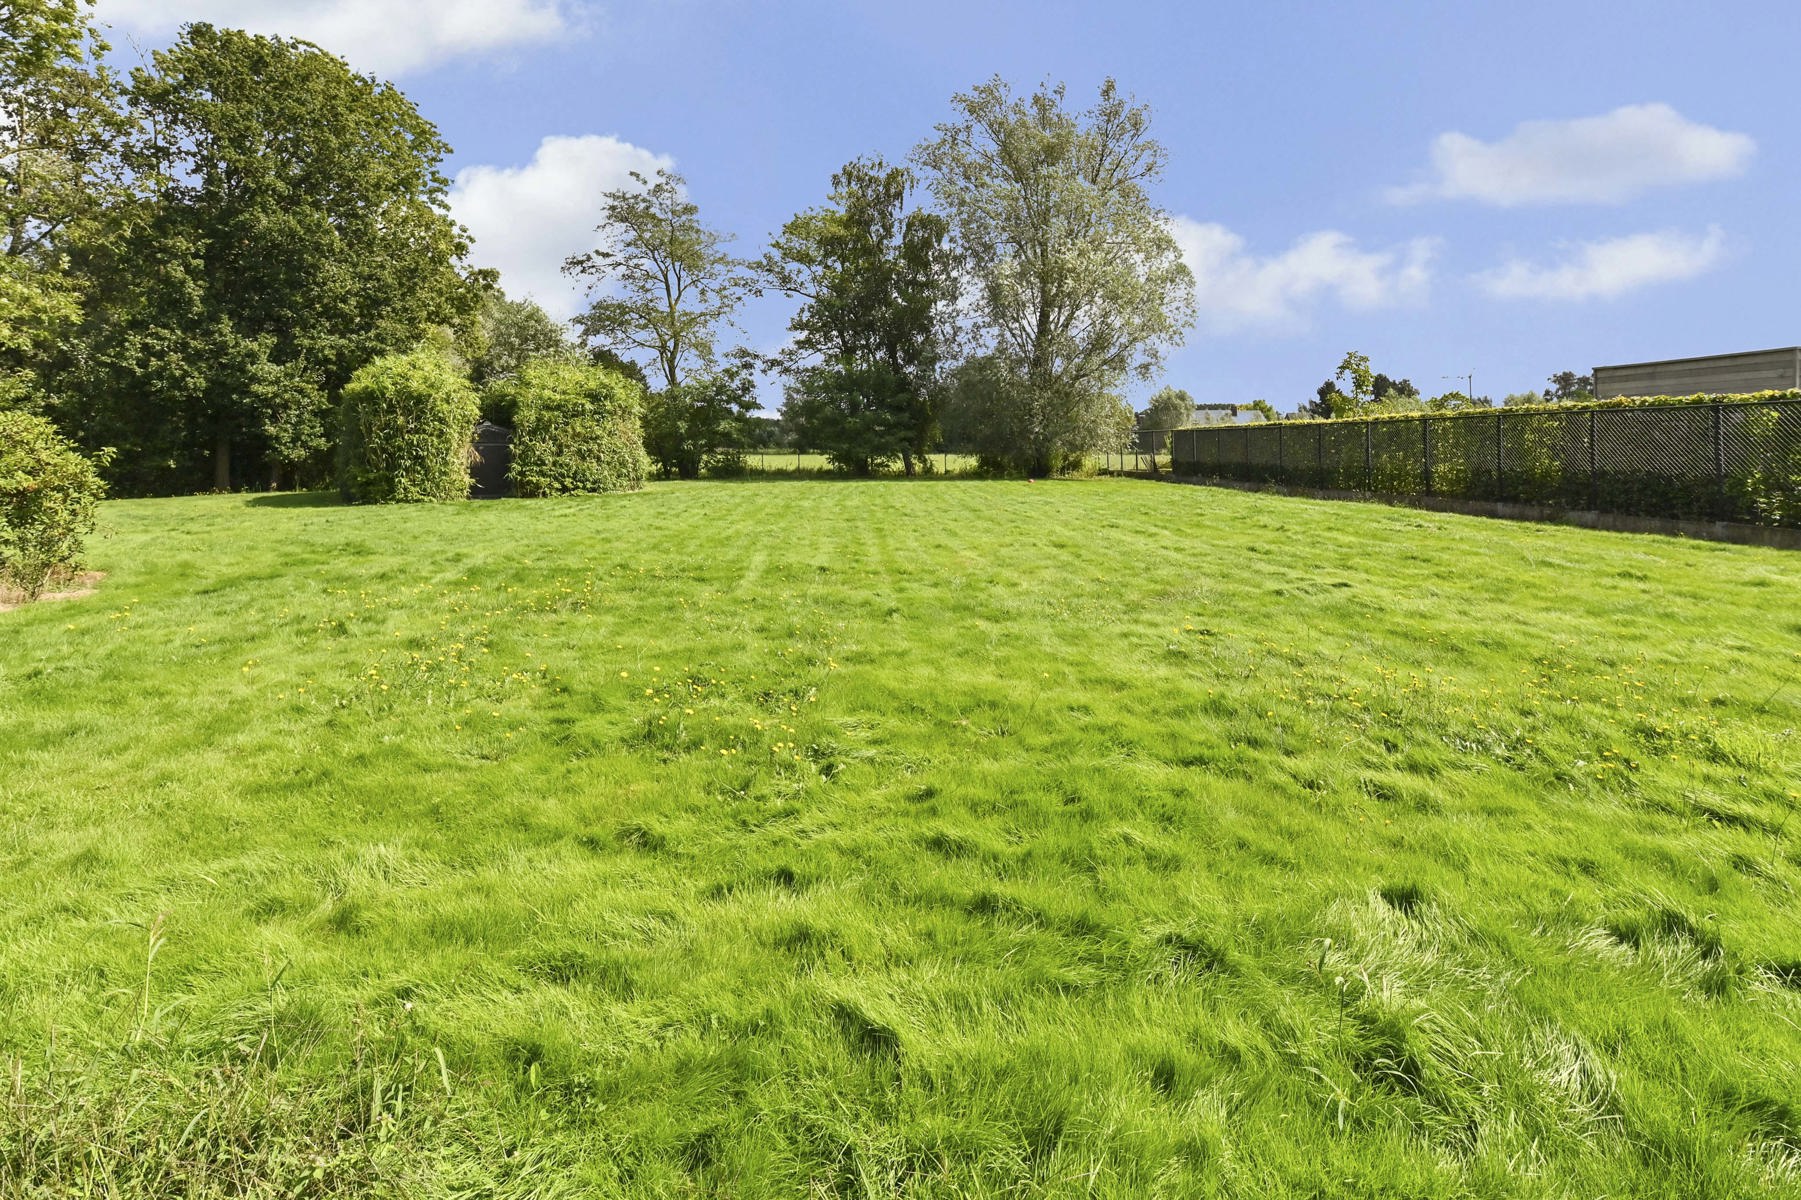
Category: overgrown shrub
[407,422]
[577,428]
[49,495]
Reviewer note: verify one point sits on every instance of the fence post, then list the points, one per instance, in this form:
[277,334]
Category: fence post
[1594,467]
[1500,455]
[1319,452]
[1426,449]
[1369,456]
[1719,462]
[1281,470]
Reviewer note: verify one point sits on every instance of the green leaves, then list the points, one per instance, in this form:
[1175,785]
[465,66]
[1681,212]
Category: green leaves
[664,282]
[1080,283]
[876,285]
[286,224]
[407,420]
[48,498]
[576,430]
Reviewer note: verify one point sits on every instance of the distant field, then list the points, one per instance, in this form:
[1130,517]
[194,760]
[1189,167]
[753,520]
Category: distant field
[924,839]
[789,462]
[773,462]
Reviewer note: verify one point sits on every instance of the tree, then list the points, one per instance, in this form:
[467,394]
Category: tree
[989,411]
[1453,401]
[1387,390]
[1170,408]
[876,283]
[703,424]
[49,497]
[1567,386]
[1328,402]
[662,282]
[288,224]
[513,333]
[1354,372]
[60,127]
[1079,283]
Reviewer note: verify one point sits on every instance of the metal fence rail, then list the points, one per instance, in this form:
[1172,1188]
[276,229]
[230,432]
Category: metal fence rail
[1729,461]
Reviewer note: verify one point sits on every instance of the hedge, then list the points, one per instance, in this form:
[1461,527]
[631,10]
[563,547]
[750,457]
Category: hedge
[406,425]
[577,428]
[1731,458]
[49,498]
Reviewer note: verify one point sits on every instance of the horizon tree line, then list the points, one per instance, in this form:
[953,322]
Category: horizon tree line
[198,254]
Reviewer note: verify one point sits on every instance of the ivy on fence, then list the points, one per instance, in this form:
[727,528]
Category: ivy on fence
[1722,458]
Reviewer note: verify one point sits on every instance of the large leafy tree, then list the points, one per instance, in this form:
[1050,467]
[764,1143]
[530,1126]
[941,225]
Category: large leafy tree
[60,128]
[1080,283]
[288,224]
[662,283]
[876,284]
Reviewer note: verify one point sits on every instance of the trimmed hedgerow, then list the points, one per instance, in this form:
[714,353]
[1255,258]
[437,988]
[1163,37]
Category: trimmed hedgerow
[407,421]
[577,428]
[49,495]
[1719,458]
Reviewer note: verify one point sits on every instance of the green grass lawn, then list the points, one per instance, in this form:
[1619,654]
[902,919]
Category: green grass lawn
[923,839]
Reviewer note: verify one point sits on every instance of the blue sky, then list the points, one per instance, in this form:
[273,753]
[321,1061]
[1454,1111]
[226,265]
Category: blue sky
[1506,188]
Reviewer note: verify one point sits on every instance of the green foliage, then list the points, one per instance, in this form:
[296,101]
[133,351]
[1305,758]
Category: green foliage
[1568,387]
[513,333]
[1456,402]
[1079,283]
[60,128]
[1660,467]
[845,411]
[49,495]
[577,429]
[989,411]
[288,223]
[877,284]
[663,283]
[406,425]
[703,425]
[1087,841]
[1354,372]
[1169,408]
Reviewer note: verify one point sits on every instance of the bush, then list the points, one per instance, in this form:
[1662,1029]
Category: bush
[407,423]
[576,429]
[49,495]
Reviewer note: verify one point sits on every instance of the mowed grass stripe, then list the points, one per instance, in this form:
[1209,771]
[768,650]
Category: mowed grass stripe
[929,838]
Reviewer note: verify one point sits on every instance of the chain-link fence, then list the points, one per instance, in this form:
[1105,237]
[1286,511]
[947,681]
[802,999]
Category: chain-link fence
[1730,461]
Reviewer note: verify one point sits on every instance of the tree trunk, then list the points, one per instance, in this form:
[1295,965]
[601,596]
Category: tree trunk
[222,461]
[907,462]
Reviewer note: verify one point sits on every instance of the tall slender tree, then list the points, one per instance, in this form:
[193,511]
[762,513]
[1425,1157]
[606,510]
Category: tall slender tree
[662,283]
[876,284]
[1079,281]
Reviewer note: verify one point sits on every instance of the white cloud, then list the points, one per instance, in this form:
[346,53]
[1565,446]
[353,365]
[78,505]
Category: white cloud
[1236,290]
[527,220]
[1603,270]
[1590,160]
[387,37]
